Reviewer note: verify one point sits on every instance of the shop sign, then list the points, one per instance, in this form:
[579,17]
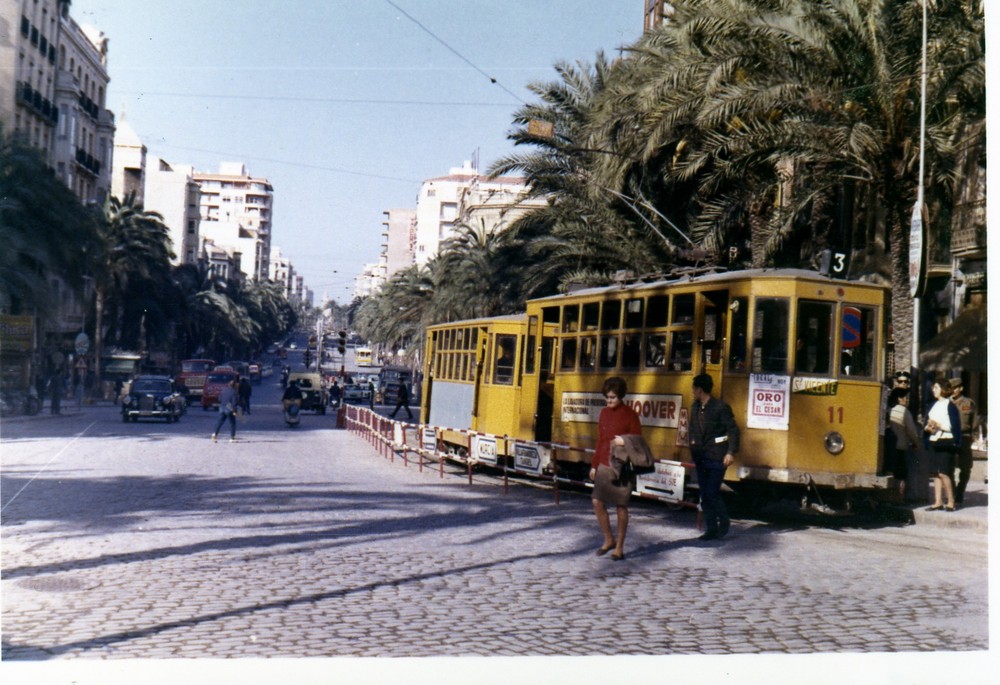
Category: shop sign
[16,333]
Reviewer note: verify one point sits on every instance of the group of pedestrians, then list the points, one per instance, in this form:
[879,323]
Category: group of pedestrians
[944,436]
[714,441]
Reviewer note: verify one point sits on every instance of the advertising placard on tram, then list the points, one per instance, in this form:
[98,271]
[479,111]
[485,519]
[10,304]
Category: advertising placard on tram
[484,449]
[666,483]
[768,401]
[653,410]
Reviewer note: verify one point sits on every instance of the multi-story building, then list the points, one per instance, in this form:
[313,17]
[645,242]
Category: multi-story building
[128,168]
[281,271]
[399,236]
[236,215]
[29,50]
[172,192]
[84,141]
[463,196]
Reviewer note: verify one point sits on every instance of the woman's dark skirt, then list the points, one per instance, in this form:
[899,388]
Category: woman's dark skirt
[942,458]
[606,491]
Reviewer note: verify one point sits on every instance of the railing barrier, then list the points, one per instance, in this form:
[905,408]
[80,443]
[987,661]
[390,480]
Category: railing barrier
[390,436]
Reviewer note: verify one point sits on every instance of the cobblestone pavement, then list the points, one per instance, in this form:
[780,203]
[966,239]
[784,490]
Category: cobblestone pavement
[125,541]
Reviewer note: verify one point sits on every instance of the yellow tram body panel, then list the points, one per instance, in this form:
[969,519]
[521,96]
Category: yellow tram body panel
[472,379]
[798,356]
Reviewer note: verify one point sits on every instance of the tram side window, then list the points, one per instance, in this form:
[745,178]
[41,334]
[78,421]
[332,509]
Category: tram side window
[656,312]
[609,351]
[681,347]
[503,369]
[857,341]
[814,337]
[631,350]
[591,316]
[656,350]
[611,319]
[568,353]
[683,308]
[571,318]
[770,335]
[633,314]
[588,353]
[738,334]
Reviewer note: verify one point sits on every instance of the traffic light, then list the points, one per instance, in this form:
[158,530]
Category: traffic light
[342,342]
[307,357]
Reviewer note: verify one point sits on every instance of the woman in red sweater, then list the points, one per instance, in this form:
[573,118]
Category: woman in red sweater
[616,419]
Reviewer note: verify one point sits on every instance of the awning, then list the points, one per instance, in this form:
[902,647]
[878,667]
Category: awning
[961,346]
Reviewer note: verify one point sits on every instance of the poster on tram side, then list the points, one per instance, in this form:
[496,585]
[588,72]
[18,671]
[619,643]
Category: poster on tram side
[768,401]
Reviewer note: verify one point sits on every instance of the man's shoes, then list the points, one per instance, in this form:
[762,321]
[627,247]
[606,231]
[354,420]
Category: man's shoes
[710,535]
[724,531]
[215,438]
[232,439]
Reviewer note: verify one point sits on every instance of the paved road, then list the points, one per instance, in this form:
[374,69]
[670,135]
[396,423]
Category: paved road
[146,540]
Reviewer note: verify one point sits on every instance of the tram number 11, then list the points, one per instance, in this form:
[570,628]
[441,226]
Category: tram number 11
[836,414]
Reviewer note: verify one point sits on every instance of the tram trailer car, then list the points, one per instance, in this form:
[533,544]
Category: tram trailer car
[800,358]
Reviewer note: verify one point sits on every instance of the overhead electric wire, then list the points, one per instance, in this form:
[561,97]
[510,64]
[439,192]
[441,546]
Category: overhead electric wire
[298,164]
[284,98]
[455,52]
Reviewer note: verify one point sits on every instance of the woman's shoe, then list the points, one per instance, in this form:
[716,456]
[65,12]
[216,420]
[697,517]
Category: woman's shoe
[952,508]
[618,557]
[936,507]
[604,550]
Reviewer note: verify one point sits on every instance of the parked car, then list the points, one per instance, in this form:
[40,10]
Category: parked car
[191,378]
[217,380]
[152,397]
[314,392]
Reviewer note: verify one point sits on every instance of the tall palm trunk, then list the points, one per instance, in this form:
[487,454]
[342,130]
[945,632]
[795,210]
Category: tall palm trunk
[98,333]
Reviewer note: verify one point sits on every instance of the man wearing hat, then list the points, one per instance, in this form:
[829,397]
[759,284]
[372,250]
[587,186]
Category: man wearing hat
[967,413]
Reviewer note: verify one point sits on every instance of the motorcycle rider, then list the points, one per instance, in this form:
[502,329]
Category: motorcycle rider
[292,400]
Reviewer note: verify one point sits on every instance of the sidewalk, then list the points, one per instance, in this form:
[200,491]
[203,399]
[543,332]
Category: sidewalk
[973,513]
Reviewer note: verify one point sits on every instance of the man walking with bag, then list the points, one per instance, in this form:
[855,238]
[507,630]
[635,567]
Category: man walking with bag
[715,441]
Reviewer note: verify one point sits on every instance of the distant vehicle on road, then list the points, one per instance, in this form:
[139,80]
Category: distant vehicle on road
[217,380]
[391,378]
[363,356]
[254,372]
[355,393]
[152,397]
[191,379]
[314,392]
[242,368]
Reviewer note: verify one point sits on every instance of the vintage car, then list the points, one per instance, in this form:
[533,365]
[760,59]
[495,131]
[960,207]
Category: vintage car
[314,392]
[217,380]
[152,397]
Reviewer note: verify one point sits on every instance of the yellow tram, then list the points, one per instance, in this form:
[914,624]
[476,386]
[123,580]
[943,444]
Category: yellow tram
[800,358]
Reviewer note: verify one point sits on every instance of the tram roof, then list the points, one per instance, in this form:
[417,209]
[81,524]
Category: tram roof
[482,320]
[709,278]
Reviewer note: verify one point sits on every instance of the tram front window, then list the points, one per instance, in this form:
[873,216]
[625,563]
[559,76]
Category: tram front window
[770,335]
[857,341]
[814,337]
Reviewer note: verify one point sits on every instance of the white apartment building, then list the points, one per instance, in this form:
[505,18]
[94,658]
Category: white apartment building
[281,271]
[128,168]
[463,196]
[368,281]
[236,215]
[399,237]
[172,192]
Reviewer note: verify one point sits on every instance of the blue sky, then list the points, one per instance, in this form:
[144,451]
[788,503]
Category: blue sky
[345,105]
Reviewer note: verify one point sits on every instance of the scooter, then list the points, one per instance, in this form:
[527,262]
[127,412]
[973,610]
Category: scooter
[292,409]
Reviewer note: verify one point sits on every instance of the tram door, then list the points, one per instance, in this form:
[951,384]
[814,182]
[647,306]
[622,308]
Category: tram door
[544,407]
[712,335]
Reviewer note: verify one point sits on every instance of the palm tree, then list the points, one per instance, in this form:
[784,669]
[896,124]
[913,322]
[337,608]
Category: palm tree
[41,226]
[765,111]
[129,245]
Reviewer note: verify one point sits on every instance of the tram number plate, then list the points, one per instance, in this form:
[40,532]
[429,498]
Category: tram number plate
[485,449]
[666,483]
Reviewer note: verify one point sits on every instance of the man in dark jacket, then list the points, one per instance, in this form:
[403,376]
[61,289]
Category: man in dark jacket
[715,441]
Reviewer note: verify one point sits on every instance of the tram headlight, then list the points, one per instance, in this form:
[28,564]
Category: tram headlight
[834,442]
